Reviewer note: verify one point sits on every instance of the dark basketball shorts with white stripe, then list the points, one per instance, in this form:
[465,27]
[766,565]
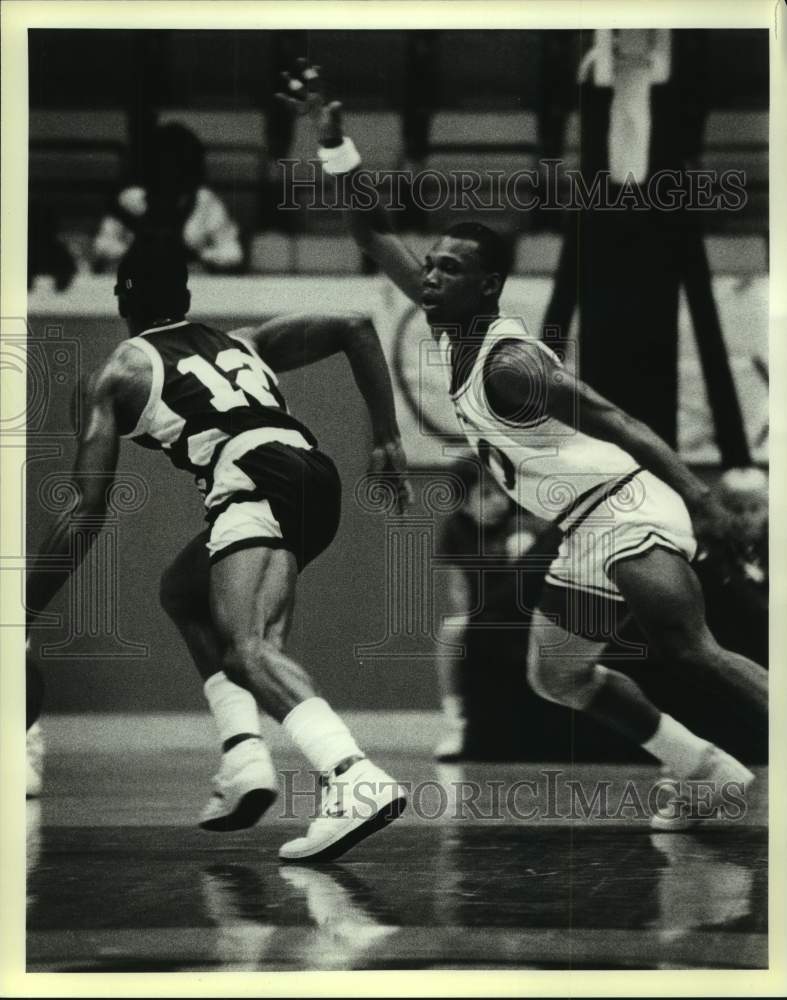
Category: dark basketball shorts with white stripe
[280,493]
[613,523]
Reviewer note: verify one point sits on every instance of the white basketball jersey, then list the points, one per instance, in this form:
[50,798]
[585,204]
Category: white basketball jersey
[545,465]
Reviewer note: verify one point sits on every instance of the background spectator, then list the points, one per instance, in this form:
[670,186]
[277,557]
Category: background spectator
[481,664]
[172,197]
[46,252]
[735,584]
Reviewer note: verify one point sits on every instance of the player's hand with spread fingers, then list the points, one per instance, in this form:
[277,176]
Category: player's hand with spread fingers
[303,94]
[302,89]
[389,462]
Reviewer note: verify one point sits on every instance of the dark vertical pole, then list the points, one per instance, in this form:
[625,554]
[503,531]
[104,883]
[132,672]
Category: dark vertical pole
[147,92]
[722,395]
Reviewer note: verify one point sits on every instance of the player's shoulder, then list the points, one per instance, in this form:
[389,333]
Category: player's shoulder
[509,328]
[508,339]
[127,361]
[125,366]
[174,338]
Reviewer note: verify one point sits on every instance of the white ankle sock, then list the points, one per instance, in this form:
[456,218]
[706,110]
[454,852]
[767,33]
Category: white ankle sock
[676,746]
[320,734]
[453,707]
[234,709]
[453,713]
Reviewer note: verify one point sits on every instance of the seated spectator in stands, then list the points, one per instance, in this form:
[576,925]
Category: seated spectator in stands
[735,583]
[744,492]
[484,692]
[171,197]
[47,254]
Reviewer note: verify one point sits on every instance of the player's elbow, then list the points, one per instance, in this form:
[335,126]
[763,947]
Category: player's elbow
[91,505]
[606,422]
[359,329]
[91,496]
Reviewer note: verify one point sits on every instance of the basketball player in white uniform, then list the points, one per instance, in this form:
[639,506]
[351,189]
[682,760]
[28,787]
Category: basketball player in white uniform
[211,403]
[632,512]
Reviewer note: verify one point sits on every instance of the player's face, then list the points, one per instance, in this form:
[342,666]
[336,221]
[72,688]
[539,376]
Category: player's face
[453,282]
[750,515]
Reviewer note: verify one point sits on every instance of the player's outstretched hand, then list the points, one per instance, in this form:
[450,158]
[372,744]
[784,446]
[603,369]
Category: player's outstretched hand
[389,462]
[303,94]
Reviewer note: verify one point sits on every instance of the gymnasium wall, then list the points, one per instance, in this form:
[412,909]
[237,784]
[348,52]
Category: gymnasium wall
[121,653]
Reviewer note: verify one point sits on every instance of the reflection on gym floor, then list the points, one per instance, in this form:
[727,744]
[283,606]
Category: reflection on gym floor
[107,893]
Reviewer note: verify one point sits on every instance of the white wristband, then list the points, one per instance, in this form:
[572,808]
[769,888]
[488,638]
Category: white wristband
[339,159]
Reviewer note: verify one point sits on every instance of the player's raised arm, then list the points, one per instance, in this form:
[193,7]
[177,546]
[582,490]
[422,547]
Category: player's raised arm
[520,382]
[92,476]
[289,342]
[370,227]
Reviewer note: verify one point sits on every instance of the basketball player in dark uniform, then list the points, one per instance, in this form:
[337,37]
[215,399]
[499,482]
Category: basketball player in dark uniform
[630,511]
[210,401]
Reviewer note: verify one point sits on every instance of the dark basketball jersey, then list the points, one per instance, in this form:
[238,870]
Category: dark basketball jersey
[208,388]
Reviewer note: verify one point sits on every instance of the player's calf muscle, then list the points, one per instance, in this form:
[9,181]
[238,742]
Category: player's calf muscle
[685,647]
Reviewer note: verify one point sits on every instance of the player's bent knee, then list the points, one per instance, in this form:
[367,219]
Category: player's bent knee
[539,679]
[686,649]
[569,684]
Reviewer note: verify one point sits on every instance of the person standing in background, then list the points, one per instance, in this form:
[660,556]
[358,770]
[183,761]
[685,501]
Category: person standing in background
[496,558]
[172,199]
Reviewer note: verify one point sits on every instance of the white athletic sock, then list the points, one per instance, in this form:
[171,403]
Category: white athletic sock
[454,710]
[320,734]
[676,746]
[234,709]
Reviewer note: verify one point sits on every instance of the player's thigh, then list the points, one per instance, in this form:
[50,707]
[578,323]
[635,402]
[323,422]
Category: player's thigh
[185,583]
[664,595]
[252,593]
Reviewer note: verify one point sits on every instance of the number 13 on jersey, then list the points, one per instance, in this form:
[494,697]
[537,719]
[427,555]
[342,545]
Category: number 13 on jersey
[253,379]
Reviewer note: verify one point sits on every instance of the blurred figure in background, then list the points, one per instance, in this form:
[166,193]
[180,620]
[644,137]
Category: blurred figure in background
[171,199]
[643,100]
[744,492]
[735,583]
[47,254]
[481,664]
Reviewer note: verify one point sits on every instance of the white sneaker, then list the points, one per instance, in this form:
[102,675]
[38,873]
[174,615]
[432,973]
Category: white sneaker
[451,747]
[355,804]
[687,806]
[245,788]
[35,760]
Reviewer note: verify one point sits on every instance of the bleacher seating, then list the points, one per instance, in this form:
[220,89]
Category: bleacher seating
[485,121]
[227,129]
[327,255]
[76,158]
[272,253]
[379,135]
[495,140]
[234,155]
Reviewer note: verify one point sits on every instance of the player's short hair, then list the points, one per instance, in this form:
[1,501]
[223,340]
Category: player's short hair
[152,278]
[494,250]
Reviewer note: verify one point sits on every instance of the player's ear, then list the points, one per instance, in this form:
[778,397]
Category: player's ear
[492,284]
